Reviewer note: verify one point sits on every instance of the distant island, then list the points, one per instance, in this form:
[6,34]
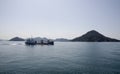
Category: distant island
[17,39]
[94,36]
[61,40]
[90,36]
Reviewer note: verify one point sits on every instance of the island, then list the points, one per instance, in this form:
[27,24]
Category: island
[61,40]
[17,39]
[94,36]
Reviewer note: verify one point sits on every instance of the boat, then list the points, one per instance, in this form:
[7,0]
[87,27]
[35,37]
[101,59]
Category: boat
[32,41]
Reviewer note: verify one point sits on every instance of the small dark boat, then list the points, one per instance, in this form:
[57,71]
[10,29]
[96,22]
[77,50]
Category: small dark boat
[31,41]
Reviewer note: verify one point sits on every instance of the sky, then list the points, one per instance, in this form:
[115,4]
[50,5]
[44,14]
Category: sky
[58,18]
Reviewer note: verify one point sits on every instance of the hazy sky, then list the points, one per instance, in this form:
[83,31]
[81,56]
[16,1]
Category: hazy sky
[58,18]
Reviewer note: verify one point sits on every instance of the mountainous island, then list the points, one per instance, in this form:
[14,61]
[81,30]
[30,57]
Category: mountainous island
[17,39]
[94,36]
[91,36]
[61,40]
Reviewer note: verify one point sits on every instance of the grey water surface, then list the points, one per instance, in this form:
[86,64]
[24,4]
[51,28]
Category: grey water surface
[61,58]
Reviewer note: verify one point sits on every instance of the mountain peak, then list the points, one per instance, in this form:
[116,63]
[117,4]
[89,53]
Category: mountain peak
[16,39]
[93,31]
[94,36]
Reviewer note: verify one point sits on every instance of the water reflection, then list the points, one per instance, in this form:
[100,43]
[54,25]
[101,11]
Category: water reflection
[70,57]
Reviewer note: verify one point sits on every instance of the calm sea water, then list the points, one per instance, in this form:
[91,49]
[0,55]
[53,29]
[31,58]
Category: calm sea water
[61,58]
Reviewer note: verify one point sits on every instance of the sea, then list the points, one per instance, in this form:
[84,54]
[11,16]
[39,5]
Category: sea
[60,58]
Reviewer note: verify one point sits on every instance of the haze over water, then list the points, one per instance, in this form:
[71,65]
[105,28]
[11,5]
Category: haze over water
[62,58]
[58,18]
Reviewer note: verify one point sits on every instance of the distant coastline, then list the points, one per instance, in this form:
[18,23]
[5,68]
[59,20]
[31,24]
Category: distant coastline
[90,36]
